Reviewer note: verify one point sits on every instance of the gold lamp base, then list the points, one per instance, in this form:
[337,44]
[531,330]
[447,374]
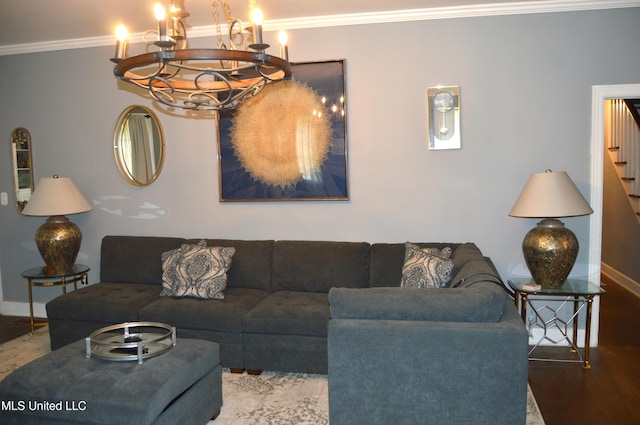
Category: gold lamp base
[550,250]
[58,241]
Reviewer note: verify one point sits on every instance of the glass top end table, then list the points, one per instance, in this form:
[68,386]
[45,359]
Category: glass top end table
[578,292]
[570,287]
[37,277]
[38,272]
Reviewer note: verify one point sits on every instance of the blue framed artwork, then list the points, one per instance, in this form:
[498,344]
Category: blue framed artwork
[289,143]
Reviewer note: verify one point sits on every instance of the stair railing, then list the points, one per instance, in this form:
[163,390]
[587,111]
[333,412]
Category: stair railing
[624,147]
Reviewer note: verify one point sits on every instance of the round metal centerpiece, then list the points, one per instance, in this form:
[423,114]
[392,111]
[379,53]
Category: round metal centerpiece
[131,341]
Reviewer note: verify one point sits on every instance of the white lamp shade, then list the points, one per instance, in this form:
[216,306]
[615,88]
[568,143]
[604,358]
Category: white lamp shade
[56,196]
[550,194]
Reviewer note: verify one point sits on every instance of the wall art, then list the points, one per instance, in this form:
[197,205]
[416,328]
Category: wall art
[289,143]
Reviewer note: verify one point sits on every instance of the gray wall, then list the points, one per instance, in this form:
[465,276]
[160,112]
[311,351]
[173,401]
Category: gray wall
[526,104]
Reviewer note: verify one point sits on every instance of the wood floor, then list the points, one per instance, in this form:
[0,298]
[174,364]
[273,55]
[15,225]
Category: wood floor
[566,393]
[608,393]
[12,327]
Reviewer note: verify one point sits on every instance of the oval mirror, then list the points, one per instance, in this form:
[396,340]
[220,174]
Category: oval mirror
[138,146]
[22,166]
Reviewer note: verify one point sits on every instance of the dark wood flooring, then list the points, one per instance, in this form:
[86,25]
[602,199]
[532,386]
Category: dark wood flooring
[608,393]
[12,327]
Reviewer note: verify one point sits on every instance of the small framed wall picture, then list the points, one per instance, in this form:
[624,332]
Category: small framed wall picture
[443,117]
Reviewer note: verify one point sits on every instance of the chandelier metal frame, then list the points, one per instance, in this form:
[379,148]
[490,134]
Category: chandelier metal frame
[212,79]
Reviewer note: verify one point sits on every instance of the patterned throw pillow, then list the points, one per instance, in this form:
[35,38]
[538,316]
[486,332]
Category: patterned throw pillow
[196,271]
[426,267]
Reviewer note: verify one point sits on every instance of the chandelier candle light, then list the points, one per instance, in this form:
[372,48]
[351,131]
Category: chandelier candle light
[201,79]
[550,249]
[58,239]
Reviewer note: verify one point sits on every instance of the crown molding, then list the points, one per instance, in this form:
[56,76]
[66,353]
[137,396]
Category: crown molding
[452,12]
[470,11]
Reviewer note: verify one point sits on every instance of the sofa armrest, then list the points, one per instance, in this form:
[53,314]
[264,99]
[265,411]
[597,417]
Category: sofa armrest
[476,271]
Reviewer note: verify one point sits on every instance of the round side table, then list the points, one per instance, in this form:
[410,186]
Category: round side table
[36,277]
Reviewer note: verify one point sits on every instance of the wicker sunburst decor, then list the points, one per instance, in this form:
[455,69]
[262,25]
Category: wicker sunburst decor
[283,135]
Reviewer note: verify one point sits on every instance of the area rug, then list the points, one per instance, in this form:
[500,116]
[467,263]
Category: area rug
[268,399]
[23,350]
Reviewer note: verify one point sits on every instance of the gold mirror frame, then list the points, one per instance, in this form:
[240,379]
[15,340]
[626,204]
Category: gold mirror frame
[138,146]
[22,166]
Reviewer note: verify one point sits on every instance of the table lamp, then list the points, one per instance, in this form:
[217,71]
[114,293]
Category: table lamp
[550,249]
[58,239]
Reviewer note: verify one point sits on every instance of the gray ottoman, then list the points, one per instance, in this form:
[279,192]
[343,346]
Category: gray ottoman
[181,386]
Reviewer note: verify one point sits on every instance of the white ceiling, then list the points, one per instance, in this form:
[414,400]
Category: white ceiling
[24,22]
[36,21]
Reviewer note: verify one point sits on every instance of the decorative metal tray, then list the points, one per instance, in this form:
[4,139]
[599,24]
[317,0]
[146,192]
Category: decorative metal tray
[131,341]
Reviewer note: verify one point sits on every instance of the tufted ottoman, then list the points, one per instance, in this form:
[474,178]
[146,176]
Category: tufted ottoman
[181,386]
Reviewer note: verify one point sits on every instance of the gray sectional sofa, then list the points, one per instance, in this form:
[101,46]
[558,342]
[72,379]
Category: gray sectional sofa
[275,310]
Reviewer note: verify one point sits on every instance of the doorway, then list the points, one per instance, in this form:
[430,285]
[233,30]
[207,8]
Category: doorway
[599,95]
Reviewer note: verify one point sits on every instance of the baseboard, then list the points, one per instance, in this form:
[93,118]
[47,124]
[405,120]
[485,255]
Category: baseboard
[624,280]
[10,308]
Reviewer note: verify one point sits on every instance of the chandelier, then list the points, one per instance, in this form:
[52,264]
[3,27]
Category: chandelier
[202,79]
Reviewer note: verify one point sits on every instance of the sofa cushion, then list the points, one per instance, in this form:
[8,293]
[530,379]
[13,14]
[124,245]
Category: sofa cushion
[317,266]
[196,271]
[426,267]
[438,304]
[104,302]
[387,260]
[290,313]
[251,266]
[134,259]
[194,313]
